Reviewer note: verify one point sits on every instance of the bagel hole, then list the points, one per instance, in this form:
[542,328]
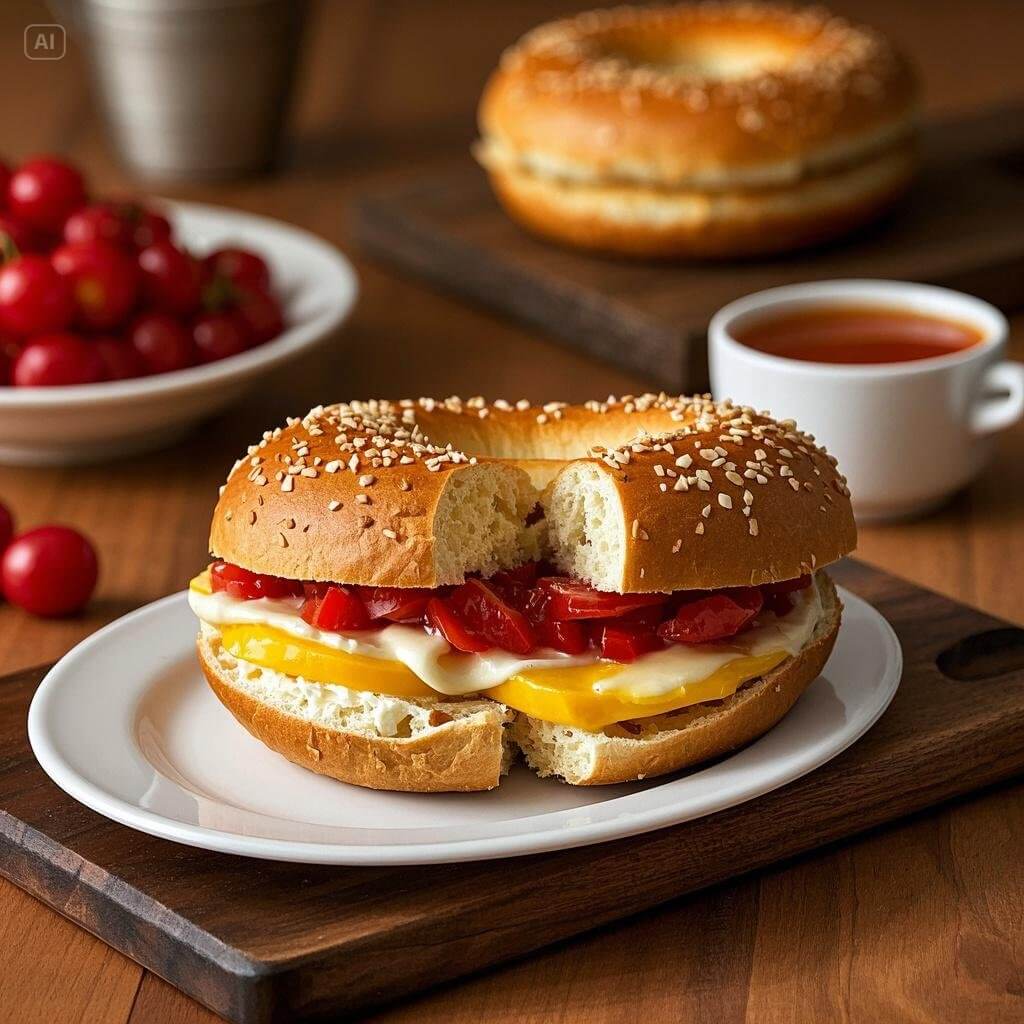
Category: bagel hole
[705,54]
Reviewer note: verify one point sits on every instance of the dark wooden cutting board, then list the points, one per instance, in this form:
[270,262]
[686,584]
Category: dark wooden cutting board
[960,226]
[258,941]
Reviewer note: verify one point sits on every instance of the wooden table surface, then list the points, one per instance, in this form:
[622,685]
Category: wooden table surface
[921,921]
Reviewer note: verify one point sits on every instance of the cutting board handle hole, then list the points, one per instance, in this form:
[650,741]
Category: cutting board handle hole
[1012,162]
[983,655]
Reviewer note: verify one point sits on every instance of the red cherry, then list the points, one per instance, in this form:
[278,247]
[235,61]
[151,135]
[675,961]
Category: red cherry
[240,267]
[34,298]
[150,227]
[170,278]
[219,335]
[100,222]
[6,526]
[162,342]
[120,360]
[43,193]
[248,586]
[49,571]
[21,236]
[261,313]
[5,180]
[105,282]
[54,360]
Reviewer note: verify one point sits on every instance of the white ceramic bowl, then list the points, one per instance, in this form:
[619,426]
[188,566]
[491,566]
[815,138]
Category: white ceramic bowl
[95,422]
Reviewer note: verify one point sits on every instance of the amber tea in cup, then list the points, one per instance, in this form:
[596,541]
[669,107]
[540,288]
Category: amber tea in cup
[858,334]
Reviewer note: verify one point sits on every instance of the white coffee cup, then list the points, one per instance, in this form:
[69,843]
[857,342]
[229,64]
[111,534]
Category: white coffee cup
[907,435]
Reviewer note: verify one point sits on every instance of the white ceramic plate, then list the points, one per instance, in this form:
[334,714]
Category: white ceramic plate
[126,724]
[92,422]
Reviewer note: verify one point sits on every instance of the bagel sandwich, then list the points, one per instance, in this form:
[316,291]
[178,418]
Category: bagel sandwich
[408,595]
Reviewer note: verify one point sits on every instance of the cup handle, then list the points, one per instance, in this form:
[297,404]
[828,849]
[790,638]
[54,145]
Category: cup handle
[992,414]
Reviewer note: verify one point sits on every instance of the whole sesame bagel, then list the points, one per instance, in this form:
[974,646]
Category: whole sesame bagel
[638,494]
[713,129]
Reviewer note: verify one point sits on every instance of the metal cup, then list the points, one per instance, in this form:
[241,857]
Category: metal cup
[192,89]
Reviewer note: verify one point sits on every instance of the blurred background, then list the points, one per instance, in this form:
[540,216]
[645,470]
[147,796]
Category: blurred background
[385,90]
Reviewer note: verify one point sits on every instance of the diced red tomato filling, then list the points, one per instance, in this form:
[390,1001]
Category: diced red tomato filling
[247,586]
[527,608]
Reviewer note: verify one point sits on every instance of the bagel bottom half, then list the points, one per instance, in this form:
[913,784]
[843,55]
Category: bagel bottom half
[468,744]
[442,746]
[641,221]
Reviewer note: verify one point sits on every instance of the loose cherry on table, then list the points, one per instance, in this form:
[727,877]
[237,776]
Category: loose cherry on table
[50,571]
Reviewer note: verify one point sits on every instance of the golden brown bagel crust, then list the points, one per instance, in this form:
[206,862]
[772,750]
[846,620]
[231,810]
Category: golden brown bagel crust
[464,755]
[694,734]
[613,92]
[713,129]
[739,500]
[291,506]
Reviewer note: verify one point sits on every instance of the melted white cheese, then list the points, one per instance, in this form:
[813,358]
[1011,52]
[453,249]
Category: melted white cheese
[660,672]
[431,658]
